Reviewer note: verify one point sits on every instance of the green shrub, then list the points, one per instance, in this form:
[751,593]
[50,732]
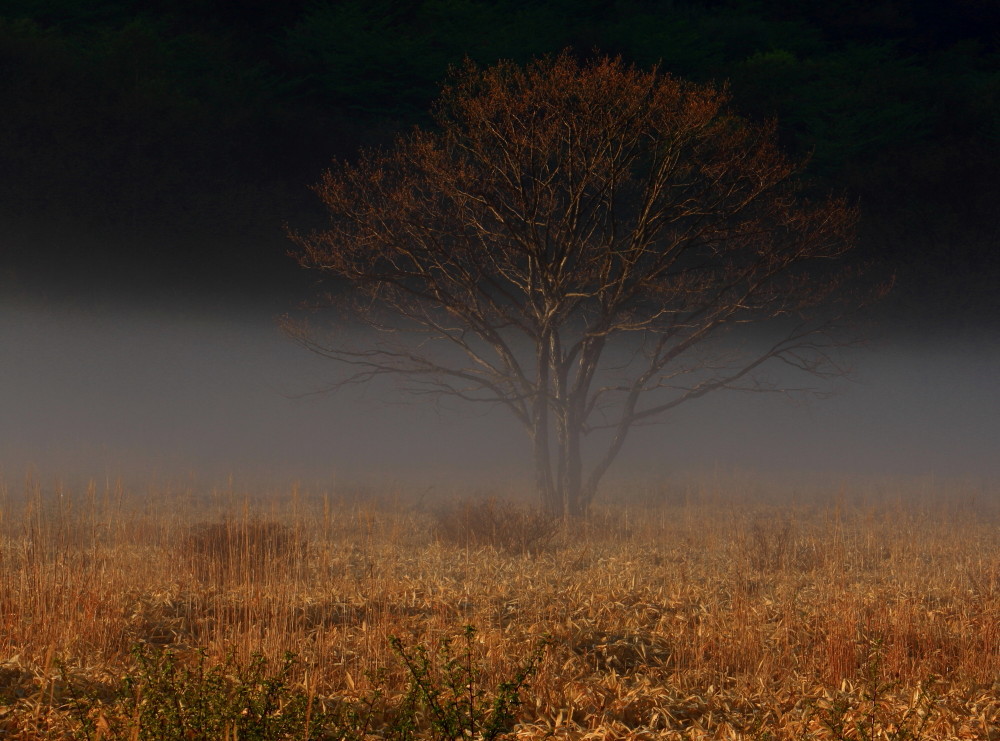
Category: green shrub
[172,696]
[447,696]
[178,696]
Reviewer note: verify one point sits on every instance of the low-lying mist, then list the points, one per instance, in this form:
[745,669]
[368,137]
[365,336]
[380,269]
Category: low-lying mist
[197,394]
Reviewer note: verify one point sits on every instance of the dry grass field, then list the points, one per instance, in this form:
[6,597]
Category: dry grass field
[724,610]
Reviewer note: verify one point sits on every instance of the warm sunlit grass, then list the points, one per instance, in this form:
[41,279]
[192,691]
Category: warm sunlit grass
[732,610]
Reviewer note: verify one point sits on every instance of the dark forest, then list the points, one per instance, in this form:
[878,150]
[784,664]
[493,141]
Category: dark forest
[161,146]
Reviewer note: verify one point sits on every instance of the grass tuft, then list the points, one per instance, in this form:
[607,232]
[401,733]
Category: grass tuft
[510,528]
[238,549]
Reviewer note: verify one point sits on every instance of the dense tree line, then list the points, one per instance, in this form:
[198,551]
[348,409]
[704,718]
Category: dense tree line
[204,117]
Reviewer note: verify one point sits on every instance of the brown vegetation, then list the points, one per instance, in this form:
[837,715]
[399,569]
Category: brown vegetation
[715,615]
[234,549]
[511,529]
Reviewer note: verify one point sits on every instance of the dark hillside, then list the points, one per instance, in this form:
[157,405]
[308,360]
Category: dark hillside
[164,144]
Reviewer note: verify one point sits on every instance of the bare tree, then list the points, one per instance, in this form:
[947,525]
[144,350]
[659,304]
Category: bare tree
[570,242]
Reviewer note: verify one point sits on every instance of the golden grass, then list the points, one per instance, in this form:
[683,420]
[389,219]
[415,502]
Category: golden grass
[716,611]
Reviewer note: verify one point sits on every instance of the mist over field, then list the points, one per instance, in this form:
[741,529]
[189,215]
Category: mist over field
[148,151]
[179,394]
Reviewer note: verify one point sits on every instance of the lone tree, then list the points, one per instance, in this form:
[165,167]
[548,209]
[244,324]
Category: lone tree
[571,241]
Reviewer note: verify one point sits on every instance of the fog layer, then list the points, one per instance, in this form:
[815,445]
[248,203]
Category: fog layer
[119,391]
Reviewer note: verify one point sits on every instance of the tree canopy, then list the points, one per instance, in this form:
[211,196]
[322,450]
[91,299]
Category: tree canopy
[573,242]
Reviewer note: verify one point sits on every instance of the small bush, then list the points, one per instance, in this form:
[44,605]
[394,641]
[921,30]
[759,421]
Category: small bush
[236,549]
[775,545]
[770,544]
[510,528]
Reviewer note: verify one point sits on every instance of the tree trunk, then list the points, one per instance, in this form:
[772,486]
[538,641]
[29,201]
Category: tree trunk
[569,499]
[558,475]
[575,504]
[540,435]
[550,493]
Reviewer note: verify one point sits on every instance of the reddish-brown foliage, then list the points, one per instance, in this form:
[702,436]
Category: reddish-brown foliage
[562,207]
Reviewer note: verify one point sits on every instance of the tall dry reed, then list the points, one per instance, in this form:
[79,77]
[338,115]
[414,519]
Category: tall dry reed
[697,611]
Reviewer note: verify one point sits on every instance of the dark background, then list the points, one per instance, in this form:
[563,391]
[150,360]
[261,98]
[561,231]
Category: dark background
[151,154]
